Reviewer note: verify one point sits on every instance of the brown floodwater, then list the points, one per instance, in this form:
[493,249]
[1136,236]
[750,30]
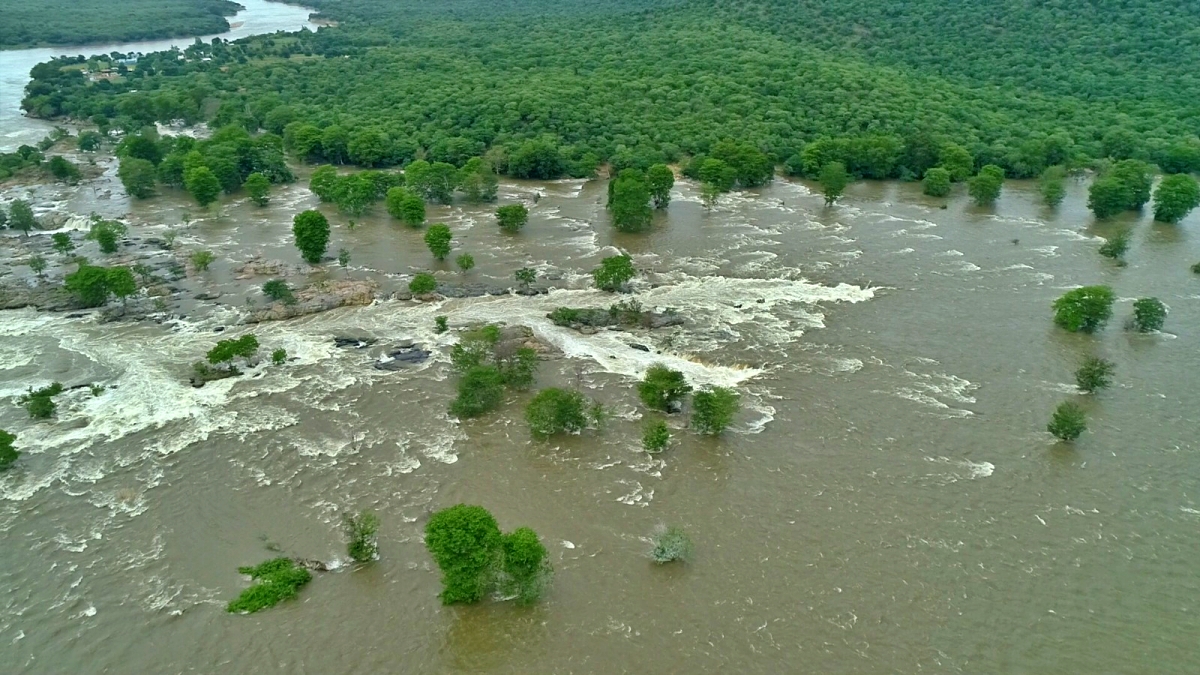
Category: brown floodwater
[888,500]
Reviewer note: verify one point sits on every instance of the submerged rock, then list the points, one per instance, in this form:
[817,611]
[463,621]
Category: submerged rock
[399,358]
[354,342]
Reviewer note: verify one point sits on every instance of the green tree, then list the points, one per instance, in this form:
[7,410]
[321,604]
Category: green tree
[512,217]
[1115,246]
[20,216]
[713,409]
[655,436]
[311,231]
[422,283]
[957,160]
[438,238]
[434,182]
[325,183]
[480,390]
[555,411]
[39,403]
[405,206]
[834,180]
[89,141]
[1052,185]
[670,544]
[137,176]
[258,187]
[1175,197]
[121,282]
[526,565]
[525,276]
[279,291]
[613,273]
[440,324]
[7,454]
[1094,374]
[1148,315]
[279,356]
[660,179]
[62,243]
[478,181]
[202,184]
[343,257]
[275,581]
[663,389]
[936,182]
[362,531]
[1084,310]
[202,259]
[88,285]
[629,201]
[465,262]
[985,187]
[466,544]
[37,265]
[225,351]
[63,170]
[1068,422]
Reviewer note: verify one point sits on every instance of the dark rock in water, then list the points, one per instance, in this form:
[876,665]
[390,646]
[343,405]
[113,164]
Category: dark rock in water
[400,358]
[761,300]
[675,407]
[219,329]
[76,315]
[640,348]
[208,296]
[353,342]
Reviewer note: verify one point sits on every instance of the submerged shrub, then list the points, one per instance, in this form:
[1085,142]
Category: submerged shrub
[1068,422]
[555,411]
[480,390]
[655,437]
[279,356]
[1094,374]
[7,454]
[1148,315]
[1116,246]
[526,566]
[422,283]
[39,403]
[713,410]
[275,581]
[361,530]
[1084,310]
[465,542]
[663,389]
[670,544]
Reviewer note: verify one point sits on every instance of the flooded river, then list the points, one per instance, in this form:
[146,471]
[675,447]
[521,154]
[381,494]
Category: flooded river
[887,501]
[259,16]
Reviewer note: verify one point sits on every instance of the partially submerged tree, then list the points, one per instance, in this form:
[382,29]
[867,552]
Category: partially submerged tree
[1149,314]
[258,187]
[663,389]
[936,182]
[985,187]
[465,542]
[555,411]
[1115,246]
[512,217]
[655,436]
[1175,197]
[1094,374]
[713,409]
[311,230]
[1068,423]
[1052,185]
[660,179]
[39,403]
[362,531]
[834,180]
[438,238]
[670,544]
[422,283]
[1084,310]
[629,201]
[613,273]
[274,581]
[8,455]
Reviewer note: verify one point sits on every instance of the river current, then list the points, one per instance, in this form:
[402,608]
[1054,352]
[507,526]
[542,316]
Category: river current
[887,501]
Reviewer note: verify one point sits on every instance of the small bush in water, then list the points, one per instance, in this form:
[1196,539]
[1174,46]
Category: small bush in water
[713,410]
[361,530]
[275,580]
[1068,422]
[663,388]
[1149,315]
[656,437]
[1094,374]
[279,356]
[440,324]
[555,411]
[670,544]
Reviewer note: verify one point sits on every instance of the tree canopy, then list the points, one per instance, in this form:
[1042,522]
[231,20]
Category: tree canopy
[73,22]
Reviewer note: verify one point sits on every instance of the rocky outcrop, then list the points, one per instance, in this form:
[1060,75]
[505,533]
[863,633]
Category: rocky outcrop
[321,297]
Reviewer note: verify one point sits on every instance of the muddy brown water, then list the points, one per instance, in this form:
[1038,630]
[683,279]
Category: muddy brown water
[887,501]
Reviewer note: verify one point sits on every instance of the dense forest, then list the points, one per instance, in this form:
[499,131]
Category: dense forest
[76,22]
[888,89]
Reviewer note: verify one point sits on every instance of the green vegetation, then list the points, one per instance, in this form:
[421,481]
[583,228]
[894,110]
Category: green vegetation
[555,411]
[39,403]
[834,180]
[655,437]
[137,176]
[1095,374]
[1148,315]
[487,366]
[985,187]
[1125,186]
[670,544]
[107,234]
[1196,268]
[279,356]
[422,284]
[258,187]
[343,257]
[74,22]
[480,390]
[90,286]
[226,351]
[8,455]
[1084,310]
[20,216]
[202,259]
[629,201]
[361,534]
[405,206]
[613,273]
[1068,422]
[1175,197]
[1052,185]
[465,262]
[37,265]
[440,324]
[63,170]
[311,230]
[274,581]
[713,409]
[936,182]
[512,217]
[438,238]
[660,179]
[475,558]
[279,291]
[525,276]
[202,184]
[1115,246]
[663,389]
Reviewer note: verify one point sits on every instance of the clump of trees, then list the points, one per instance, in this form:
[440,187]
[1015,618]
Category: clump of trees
[1125,186]
[512,217]
[222,359]
[486,367]
[1095,374]
[476,559]
[8,455]
[663,389]
[362,530]
[275,580]
[985,187]
[1175,197]
[311,231]
[1084,310]
[91,286]
[670,544]
[39,403]
[713,409]
[406,207]
[613,273]
[1149,314]
[554,411]
[1068,422]
[629,201]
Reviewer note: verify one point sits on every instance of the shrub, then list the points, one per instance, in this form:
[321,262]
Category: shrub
[555,411]
[1116,246]
[39,403]
[344,257]
[526,565]
[422,283]
[311,231]
[713,409]
[1094,374]
[275,581]
[1068,422]
[1148,315]
[613,273]
[465,542]
[258,187]
[279,291]
[936,182]
[1084,310]
[985,187]
[518,370]
[1052,187]
[512,217]
[88,285]
[662,388]
[202,259]
[465,262]
[480,390]
[62,243]
[279,356]
[526,276]
[361,530]
[227,350]
[7,454]
[437,238]
[670,544]
[656,437]
[440,324]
